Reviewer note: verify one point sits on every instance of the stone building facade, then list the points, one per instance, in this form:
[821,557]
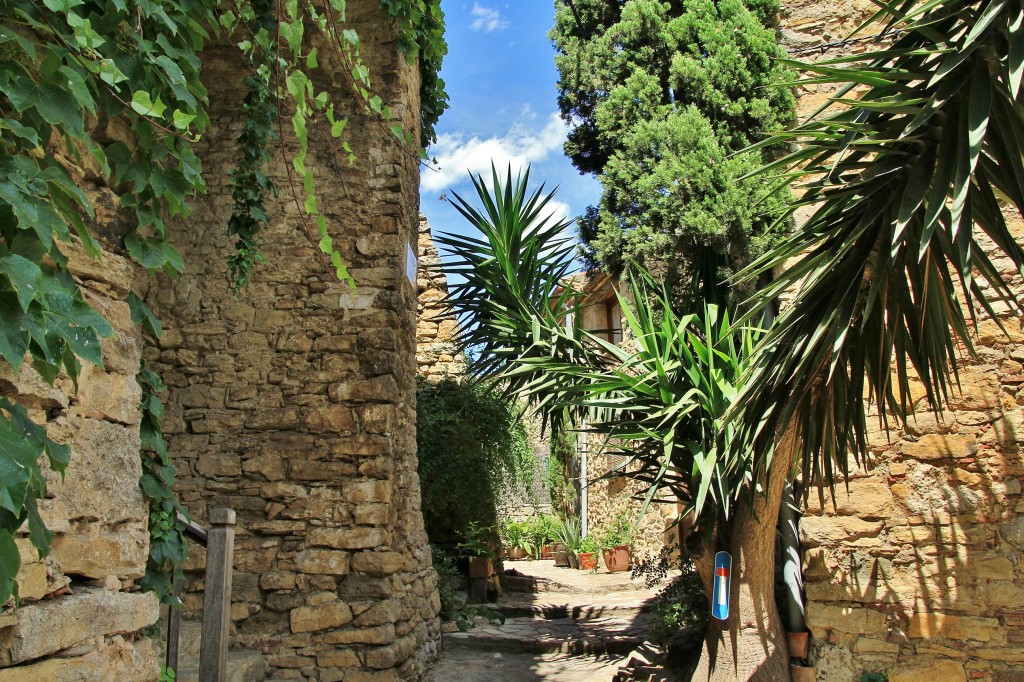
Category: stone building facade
[437,353]
[917,572]
[294,404]
[81,615]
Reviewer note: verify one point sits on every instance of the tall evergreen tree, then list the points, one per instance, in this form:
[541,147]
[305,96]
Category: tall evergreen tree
[660,96]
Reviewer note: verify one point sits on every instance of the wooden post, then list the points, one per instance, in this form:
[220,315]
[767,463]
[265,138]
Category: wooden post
[213,650]
[173,624]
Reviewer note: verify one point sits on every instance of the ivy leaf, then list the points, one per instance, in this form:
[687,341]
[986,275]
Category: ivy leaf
[55,104]
[24,276]
[14,340]
[153,255]
[152,487]
[14,475]
[10,562]
[144,105]
[182,120]
[142,315]
[26,45]
[38,533]
[109,73]
[19,130]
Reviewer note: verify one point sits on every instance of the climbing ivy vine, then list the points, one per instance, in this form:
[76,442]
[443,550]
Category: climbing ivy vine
[102,95]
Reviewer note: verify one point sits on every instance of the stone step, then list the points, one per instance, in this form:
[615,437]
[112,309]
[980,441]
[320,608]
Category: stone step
[565,580]
[554,605]
[607,634]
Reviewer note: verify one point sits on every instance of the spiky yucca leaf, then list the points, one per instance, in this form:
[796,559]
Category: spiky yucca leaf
[659,401]
[908,185]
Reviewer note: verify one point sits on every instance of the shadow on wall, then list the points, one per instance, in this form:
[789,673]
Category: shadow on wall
[916,570]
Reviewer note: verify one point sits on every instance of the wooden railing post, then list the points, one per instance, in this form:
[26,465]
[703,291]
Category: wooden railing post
[173,624]
[213,650]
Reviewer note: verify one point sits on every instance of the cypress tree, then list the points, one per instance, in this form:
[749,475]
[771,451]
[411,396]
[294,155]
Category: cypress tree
[660,97]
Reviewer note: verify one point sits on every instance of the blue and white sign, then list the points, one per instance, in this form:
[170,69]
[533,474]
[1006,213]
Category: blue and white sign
[722,586]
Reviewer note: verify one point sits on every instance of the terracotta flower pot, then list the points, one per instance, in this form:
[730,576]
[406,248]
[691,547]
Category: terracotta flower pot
[547,551]
[797,642]
[588,561]
[803,673]
[480,567]
[616,559]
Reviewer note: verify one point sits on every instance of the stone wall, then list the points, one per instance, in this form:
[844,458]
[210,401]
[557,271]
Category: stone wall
[608,497]
[294,404]
[437,354]
[81,614]
[917,571]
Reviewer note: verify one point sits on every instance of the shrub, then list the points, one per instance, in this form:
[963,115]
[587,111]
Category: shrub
[469,442]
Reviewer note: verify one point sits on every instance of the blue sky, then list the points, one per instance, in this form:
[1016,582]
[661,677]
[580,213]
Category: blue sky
[501,79]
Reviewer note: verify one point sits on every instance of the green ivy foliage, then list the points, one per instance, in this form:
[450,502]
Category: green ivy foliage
[421,35]
[168,547]
[113,87]
[661,96]
[106,94]
[469,441]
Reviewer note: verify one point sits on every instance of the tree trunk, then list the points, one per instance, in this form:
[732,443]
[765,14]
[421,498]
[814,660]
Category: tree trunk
[751,644]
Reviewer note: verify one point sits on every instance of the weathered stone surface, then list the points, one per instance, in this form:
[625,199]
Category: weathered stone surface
[29,388]
[378,563]
[940,446]
[46,627]
[854,620]
[110,397]
[928,671]
[112,659]
[818,530]
[100,553]
[323,561]
[338,658]
[1013,532]
[110,269]
[347,538]
[320,617]
[104,457]
[933,625]
[381,634]
[868,498]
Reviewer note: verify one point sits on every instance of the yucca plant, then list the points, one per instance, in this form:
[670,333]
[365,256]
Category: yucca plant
[659,401]
[907,184]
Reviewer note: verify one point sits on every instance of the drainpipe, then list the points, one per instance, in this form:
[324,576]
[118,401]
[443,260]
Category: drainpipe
[793,610]
[583,480]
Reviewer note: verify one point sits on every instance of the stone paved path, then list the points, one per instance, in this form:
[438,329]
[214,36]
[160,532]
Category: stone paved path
[575,626]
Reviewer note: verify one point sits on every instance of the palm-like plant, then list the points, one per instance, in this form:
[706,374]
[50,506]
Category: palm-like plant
[910,180]
[660,400]
[908,184]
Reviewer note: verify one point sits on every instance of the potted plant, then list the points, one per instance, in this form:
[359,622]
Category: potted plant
[544,535]
[515,538]
[477,548]
[588,553]
[568,533]
[615,544]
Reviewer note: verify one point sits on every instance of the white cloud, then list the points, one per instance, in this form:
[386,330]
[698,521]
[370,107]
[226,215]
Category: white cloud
[487,19]
[456,154]
[557,210]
